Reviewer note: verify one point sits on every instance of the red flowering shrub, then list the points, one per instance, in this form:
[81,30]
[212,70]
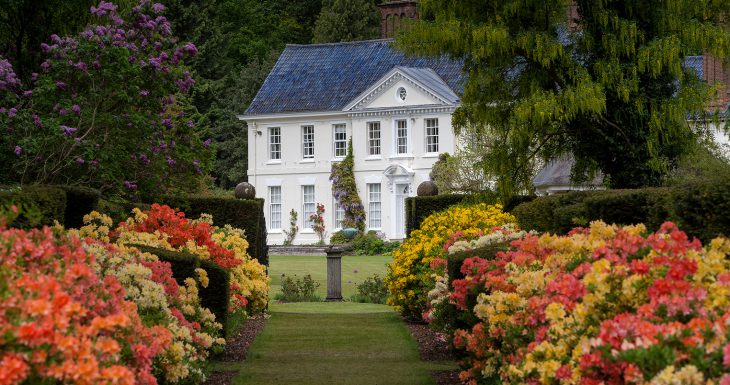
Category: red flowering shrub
[603,305]
[62,322]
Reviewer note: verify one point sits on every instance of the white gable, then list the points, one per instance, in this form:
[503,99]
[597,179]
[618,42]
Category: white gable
[405,87]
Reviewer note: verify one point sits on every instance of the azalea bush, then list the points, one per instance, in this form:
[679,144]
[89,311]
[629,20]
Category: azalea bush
[452,299]
[61,321]
[602,305]
[409,275]
[107,108]
[163,227]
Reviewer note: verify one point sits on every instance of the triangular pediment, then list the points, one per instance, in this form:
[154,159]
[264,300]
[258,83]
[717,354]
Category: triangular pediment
[405,87]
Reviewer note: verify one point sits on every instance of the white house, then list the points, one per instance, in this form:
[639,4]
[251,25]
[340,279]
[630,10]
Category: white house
[396,109]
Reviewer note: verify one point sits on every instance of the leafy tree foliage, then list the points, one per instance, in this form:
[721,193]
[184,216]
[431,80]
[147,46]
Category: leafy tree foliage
[608,86]
[239,42]
[347,20]
[107,108]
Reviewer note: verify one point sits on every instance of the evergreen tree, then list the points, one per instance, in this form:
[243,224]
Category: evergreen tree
[609,86]
[347,20]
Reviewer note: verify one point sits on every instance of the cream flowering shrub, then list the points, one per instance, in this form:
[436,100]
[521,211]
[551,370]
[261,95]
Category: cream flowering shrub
[409,278]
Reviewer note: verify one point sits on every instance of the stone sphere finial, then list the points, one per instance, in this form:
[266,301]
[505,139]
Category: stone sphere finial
[245,190]
[427,188]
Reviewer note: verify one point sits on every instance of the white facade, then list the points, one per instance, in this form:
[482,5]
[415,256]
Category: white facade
[398,128]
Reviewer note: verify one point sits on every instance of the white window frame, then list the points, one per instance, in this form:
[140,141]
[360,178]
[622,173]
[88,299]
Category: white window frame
[308,142]
[396,137]
[274,207]
[339,144]
[375,206]
[274,147]
[338,215]
[431,147]
[308,207]
[374,151]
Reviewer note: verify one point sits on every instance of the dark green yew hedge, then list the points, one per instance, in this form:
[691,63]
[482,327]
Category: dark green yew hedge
[42,205]
[700,209]
[419,208]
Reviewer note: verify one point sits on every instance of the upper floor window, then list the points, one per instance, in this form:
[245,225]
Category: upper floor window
[373,138]
[340,141]
[401,136]
[275,143]
[308,142]
[432,135]
[275,207]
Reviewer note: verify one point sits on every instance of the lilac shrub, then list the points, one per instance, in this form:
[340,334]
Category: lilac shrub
[108,108]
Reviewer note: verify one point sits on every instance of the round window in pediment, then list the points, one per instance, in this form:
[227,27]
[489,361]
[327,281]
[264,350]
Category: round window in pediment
[401,94]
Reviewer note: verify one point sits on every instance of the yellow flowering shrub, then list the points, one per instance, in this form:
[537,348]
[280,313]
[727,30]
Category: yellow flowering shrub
[409,278]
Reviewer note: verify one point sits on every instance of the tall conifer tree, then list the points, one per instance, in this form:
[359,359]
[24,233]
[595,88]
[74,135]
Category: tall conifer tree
[608,84]
[347,20]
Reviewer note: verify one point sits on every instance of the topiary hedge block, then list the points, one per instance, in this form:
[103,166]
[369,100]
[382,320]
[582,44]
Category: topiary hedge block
[216,296]
[418,208]
[44,204]
[701,209]
[244,214]
[79,202]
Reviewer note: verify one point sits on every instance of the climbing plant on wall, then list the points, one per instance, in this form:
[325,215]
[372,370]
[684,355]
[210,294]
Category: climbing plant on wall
[344,189]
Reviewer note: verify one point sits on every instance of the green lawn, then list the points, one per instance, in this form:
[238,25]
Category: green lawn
[334,343]
[290,265]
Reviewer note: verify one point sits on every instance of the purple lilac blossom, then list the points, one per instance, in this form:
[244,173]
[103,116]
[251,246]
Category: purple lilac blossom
[61,85]
[76,109]
[80,161]
[18,150]
[207,142]
[68,131]
[37,121]
[103,8]
[12,112]
[170,161]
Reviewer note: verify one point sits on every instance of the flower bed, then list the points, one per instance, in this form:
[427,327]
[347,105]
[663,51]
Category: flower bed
[226,246]
[409,278]
[602,305]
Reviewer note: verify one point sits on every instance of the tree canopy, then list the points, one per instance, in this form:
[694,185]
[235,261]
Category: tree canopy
[608,85]
[347,20]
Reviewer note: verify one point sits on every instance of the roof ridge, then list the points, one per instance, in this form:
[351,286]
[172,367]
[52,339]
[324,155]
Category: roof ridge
[341,43]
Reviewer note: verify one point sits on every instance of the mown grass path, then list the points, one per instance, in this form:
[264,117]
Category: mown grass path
[335,343]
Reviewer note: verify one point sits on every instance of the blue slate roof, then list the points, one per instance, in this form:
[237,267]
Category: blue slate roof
[326,77]
[432,81]
[695,63]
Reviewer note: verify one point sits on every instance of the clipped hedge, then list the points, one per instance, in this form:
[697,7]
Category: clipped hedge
[698,208]
[702,209]
[42,204]
[79,202]
[419,208]
[216,296]
[245,214]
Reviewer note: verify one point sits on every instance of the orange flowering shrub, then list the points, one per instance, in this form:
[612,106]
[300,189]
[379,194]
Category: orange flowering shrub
[61,322]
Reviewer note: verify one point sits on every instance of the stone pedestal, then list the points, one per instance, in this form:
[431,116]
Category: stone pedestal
[334,272]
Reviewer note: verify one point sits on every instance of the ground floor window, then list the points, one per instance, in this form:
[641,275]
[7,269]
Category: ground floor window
[374,202]
[275,207]
[308,205]
[339,214]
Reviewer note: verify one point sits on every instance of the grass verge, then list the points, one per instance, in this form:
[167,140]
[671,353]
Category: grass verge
[355,269]
[335,343]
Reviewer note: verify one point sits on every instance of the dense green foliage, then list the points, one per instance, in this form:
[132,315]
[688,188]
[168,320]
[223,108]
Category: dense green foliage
[79,202]
[372,290]
[344,189]
[347,20]
[243,214]
[609,87]
[696,206]
[239,43]
[216,296]
[294,289]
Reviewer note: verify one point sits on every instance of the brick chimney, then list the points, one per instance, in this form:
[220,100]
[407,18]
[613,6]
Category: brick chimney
[391,14]
[715,72]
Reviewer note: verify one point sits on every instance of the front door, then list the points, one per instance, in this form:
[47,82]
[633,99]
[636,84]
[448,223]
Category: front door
[401,193]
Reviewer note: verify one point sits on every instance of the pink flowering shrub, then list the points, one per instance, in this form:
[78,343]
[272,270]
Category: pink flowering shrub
[602,305]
